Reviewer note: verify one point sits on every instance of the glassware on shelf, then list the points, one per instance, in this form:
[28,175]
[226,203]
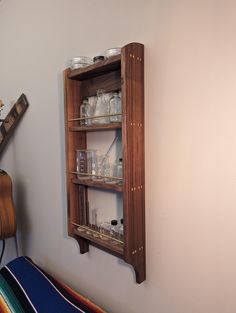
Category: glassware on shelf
[114,232]
[119,170]
[112,52]
[80,61]
[105,229]
[99,167]
[81,163]
[85,163]
[92,102]
[89,109]
[113,228]
[107,97]
[106,169]
[98,58]
[94,222]
[121,229]
[115,108]
[83,113]
[111,180]
[93,218]
[88,232]
[103,169]
[81,229]
[101,109]
[91,162]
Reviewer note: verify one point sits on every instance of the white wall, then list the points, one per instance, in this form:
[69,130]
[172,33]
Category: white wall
[190,145]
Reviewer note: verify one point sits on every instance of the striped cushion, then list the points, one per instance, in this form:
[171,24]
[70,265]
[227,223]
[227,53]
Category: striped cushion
[25,288]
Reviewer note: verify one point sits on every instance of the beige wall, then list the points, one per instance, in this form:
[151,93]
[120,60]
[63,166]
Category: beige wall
[190,145]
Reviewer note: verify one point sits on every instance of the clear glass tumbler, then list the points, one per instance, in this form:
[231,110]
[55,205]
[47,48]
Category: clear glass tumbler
[91,162]
[81,163]
[99,167]
[85,163]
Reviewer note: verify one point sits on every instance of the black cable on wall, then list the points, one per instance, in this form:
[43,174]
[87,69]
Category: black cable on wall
[3,249]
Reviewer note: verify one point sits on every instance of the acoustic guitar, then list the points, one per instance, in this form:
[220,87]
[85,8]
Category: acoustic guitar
[7,211]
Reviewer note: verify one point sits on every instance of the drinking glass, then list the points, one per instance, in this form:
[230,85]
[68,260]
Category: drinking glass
[81,163]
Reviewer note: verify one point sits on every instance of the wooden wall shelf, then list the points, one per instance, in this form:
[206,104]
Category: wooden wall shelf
[124,72]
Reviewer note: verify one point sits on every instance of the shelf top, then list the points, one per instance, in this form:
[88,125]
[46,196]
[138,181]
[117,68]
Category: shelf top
[96,69]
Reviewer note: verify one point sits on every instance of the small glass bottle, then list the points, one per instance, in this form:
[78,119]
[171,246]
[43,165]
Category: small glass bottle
[119,169]
[83,112]
[115,108]
[121,229]
[113,228]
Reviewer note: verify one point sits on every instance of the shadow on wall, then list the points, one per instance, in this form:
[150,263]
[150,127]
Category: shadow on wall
[62,151]
[23,223]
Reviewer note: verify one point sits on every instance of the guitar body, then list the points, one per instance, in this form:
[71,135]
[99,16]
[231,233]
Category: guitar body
[7,211]
[7,128]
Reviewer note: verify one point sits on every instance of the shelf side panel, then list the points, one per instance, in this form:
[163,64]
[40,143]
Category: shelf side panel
[132,77]
[73,141]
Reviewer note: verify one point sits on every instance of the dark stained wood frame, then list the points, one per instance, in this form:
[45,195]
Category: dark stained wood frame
[125,72]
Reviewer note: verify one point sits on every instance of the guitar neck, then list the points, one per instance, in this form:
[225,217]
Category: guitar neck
[11,121]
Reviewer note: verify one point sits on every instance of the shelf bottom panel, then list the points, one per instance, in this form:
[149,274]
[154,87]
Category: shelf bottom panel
[115,247]
[99,127]
[91,183]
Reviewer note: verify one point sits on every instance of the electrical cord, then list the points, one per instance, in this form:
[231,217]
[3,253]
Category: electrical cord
[3,249]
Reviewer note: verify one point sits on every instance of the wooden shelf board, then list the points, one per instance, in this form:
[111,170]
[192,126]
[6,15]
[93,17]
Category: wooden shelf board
[117,249]
[96,69]
[101,127]
[95,184]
